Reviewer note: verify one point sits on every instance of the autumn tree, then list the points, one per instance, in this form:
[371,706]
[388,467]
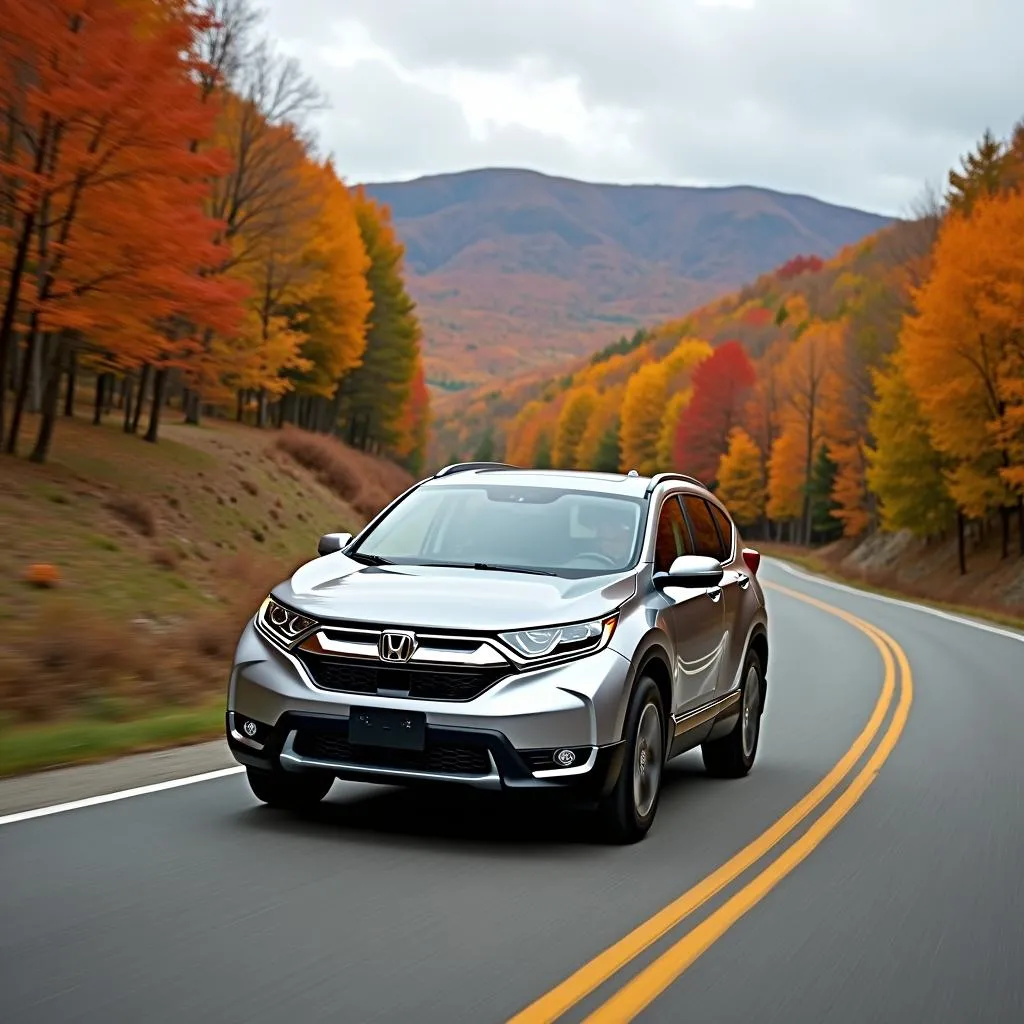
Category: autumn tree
[572,423]
[806,372]
[904,470]
[107,189]
[642,409]
[721,386]
[740,480]
[599,446]
[963,356]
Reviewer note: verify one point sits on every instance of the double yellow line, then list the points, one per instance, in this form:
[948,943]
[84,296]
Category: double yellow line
[644,987]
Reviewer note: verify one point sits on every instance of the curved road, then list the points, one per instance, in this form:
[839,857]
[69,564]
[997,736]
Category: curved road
[894,892]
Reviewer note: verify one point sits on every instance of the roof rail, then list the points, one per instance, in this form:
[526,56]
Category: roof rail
[662,477]
[462,467]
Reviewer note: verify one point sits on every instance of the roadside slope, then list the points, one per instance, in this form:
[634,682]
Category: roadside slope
[150,557]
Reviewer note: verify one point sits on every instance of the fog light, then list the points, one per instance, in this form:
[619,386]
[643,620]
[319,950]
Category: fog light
[565,757]
[249,731]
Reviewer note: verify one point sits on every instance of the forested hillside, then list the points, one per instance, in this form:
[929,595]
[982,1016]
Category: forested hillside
[882,389]
[169,231]
[514,270]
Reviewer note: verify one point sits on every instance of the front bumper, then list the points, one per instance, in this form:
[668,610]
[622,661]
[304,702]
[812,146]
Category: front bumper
[501,740]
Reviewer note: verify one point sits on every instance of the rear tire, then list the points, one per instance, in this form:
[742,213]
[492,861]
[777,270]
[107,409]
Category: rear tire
[732,756]
[627,812]
[292,792]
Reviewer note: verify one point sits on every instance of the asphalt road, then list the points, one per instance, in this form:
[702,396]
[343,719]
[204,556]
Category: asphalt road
[197,904]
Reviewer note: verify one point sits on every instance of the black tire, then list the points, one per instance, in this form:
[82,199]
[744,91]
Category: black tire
[290,791]
[622,819]
[730,757]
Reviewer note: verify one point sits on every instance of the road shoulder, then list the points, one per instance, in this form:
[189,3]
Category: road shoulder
[81,782]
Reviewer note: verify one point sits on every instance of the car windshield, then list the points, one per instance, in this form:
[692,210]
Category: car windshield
[537,529]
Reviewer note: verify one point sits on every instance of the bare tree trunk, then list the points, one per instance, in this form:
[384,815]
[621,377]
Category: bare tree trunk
[24,385]
[159,383]
[261,408]
[126,401]
[97,409]
[192,408]
[69,395]
[51,398]
[14,279]
[35,386]
[960,542]
[141,399]
[1020,522]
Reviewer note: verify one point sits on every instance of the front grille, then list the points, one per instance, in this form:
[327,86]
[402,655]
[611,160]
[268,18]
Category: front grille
[349,675]
[441,758]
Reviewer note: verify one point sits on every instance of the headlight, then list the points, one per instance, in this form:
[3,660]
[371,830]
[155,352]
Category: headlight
[577,638]
[283,624]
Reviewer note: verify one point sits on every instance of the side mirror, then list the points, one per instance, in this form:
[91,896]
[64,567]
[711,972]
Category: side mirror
[331,542]
[692,571]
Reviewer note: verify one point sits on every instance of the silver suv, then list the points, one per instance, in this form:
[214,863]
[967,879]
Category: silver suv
[511,630]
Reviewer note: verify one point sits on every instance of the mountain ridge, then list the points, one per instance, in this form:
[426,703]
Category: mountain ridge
[514,269]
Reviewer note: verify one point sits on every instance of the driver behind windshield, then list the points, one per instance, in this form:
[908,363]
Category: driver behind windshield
[614,531]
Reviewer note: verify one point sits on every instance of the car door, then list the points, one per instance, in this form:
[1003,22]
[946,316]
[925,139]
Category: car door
[714,536]
[692,617]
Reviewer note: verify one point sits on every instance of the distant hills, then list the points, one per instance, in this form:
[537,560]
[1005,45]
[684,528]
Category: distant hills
[514,270]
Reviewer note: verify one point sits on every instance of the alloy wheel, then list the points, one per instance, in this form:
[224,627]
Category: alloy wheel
[647,760]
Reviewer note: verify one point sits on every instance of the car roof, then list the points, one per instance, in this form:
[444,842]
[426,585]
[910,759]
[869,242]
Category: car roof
[630,484]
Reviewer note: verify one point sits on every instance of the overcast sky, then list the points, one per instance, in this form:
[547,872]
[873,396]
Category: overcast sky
[861,102]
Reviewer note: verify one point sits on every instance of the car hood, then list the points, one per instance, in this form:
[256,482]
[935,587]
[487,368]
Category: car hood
[336,587]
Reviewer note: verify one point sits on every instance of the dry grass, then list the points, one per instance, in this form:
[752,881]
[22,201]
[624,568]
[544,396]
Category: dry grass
[73,661]
[128,570]
[135,512]
[364,482]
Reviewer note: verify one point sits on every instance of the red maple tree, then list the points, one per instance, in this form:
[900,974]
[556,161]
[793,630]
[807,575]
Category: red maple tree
[720,387]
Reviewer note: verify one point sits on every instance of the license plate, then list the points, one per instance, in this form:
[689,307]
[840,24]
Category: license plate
[386,727]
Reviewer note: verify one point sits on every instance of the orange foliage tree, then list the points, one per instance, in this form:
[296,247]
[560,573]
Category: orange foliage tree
[104,189]
[963,355]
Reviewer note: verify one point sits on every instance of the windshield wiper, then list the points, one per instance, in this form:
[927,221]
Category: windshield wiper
[492,568]
[366,559]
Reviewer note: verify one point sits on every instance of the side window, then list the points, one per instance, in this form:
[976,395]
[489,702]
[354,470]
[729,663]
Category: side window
[673,538]
[724,528]
[705,535]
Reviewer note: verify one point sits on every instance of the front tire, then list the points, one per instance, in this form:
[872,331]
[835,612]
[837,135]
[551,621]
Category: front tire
[293,792]
[627,812]
[732,756]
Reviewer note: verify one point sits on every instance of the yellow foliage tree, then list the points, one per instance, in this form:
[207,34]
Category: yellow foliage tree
[572,423]
[740,484]
[669,422]
[596,447]
[643,407]
[787,475]
[904,471]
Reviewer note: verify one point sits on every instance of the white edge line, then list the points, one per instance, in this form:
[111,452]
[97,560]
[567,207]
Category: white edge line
[124,794]
[811,578]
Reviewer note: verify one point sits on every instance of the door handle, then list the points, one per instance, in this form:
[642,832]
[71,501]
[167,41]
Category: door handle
[715,593]
[744,581]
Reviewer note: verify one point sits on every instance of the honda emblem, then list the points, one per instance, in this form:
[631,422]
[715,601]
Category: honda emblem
[396,646]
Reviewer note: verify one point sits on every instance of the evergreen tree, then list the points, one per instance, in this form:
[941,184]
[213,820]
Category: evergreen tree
[485,449]
[372,399]
[824,526]
[609,453]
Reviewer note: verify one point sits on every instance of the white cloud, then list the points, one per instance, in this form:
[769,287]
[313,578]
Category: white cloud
[856,101]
